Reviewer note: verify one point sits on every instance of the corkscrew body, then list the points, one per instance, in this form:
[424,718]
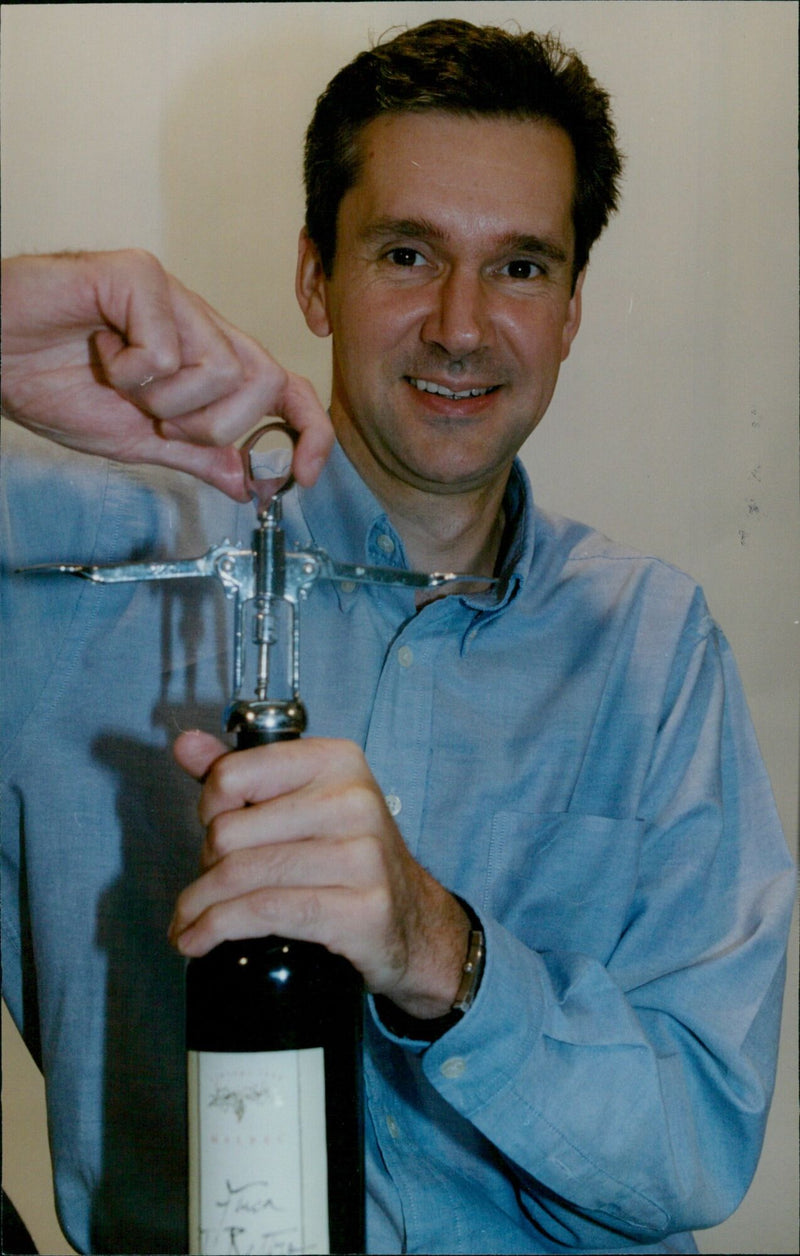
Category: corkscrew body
[267,583]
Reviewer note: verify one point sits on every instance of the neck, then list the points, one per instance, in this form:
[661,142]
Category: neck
[449,533]
[442,528]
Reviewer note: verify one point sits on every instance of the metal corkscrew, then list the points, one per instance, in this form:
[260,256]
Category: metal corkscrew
[261,580]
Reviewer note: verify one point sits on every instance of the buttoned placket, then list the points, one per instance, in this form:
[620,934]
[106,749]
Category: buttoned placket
[399,733]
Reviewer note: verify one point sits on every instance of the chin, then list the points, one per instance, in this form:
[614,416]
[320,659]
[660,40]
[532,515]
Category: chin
[451,476]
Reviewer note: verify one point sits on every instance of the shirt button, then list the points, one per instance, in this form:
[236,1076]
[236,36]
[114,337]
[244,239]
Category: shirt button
[405,656]
[348,586]
[454,1068]
[394,804]
[392,1127]
[385,543]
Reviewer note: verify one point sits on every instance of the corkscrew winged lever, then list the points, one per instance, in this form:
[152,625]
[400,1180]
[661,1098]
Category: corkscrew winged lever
[260,580]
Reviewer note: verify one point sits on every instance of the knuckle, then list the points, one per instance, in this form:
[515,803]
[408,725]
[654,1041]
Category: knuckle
[273,865]
[365,804]
[260,905]
[142,260]
[380,901]
[227,370]
[352,754]
[166,358]
[228,874]
[160,361]
[209,926]
[344,758]
[274,376]
[218,841]
[220,778]
[301,916]
[146,259]
[309,911]
[380,909]
[216,923]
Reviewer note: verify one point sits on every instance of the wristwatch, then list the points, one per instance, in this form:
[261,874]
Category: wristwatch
[420,1029]
[473,965]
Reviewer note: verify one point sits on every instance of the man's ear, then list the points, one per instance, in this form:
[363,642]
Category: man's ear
[573,320]
[311,286]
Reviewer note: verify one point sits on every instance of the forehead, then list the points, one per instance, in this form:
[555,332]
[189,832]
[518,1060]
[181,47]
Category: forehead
[464,173]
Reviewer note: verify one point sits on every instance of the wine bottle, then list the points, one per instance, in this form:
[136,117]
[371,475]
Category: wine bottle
[274,1033]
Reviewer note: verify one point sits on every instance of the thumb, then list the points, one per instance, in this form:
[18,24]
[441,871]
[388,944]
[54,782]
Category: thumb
[197,752]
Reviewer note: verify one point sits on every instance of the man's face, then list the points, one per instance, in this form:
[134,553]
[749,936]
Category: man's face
[450,300]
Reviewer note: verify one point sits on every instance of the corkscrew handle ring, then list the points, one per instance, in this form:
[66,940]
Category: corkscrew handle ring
[264,490]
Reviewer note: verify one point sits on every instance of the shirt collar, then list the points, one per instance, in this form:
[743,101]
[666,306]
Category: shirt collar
[344,518]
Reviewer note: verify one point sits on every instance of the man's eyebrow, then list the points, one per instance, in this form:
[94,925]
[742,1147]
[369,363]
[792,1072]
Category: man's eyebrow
[385,229]
[539,246]
[401,228]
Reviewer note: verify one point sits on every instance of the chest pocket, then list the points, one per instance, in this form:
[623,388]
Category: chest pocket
[563,881]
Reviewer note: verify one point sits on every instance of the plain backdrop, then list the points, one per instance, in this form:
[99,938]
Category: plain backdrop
[178,128]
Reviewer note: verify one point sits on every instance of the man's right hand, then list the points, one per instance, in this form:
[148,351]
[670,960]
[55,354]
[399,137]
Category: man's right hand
[109,354]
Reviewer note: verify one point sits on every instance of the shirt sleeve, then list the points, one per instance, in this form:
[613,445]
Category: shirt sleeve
[632,1096]
[56,506]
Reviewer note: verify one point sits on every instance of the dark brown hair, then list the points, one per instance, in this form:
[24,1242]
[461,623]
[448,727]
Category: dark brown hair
[456,67]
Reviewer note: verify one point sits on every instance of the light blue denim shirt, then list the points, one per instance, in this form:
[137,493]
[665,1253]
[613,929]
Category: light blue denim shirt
[574,759]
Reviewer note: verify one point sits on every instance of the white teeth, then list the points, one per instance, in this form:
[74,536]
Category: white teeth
[425,385]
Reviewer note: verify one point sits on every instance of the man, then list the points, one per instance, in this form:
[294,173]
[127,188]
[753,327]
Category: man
[566,764]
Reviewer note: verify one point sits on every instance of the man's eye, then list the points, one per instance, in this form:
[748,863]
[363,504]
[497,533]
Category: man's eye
[405,256]
[521,268]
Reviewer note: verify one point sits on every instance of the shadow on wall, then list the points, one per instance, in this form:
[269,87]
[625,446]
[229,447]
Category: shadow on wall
[231,172]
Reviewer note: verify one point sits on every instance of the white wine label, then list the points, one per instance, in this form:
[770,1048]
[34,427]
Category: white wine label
[258,1162]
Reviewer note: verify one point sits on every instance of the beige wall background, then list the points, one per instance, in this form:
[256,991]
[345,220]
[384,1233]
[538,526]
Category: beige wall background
[178,127]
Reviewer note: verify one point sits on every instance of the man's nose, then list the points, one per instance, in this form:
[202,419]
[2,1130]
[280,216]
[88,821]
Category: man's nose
[459,318]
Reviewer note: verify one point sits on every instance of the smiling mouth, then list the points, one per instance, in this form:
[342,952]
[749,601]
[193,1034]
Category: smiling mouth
[428,386]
